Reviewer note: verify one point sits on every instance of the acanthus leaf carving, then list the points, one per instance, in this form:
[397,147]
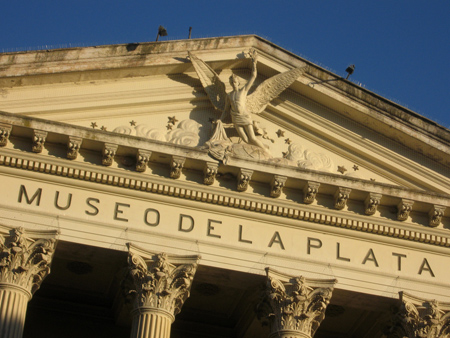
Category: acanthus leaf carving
[419,318]
[24,261]
[157,283]
[294,304]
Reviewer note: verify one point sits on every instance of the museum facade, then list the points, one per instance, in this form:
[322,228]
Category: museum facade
[218,187]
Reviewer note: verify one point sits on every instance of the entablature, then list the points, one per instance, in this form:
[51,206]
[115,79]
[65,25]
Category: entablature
[122,160]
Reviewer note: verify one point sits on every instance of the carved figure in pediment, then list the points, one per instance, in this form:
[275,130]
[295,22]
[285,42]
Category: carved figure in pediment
[238,104]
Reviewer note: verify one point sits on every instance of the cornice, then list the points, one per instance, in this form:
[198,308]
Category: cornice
[197,160]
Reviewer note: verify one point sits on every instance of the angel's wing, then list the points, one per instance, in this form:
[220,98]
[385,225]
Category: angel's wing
[271,88]
[213,86]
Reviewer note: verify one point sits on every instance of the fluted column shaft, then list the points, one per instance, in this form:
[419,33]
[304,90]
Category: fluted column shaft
[13,308]
[151,323]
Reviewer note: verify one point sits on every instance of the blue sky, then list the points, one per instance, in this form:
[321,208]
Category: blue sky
[401,49]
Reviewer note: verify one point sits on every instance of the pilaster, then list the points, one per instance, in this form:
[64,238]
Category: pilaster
[24,263]
[294,307]
[159,285]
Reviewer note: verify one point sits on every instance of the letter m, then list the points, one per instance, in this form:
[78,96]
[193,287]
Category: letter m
[36,196]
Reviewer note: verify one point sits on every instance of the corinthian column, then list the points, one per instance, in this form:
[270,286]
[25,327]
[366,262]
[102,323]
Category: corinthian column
[294,307]
[24,263]
[160,285]
[420,318]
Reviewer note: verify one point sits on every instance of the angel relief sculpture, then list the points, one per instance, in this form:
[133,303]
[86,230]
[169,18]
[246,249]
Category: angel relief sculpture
[239,107]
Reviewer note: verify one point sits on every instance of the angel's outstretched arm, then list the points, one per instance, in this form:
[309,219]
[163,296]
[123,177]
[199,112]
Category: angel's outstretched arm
[250,82]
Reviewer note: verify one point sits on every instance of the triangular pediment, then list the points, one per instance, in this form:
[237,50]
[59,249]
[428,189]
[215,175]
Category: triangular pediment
[321,122]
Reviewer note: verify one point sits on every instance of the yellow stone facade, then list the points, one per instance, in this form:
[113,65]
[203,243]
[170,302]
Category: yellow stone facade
[129,208]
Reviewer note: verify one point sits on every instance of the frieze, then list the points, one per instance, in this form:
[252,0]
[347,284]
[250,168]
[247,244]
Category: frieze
[215,227]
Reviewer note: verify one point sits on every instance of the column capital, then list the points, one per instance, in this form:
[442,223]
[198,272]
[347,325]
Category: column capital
[160,282]
[420,318]
[294,306]
[25,258]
